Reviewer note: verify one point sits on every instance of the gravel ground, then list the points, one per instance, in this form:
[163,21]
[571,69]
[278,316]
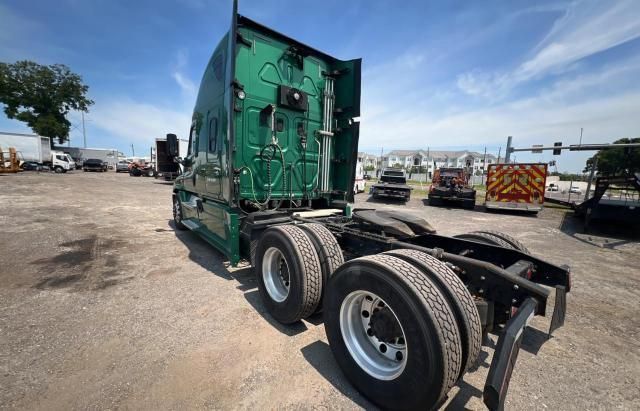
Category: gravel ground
[103,305]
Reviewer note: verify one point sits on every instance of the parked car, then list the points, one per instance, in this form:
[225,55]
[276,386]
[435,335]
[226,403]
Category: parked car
[94,164]
[31,166]
[122,166]
[575,190]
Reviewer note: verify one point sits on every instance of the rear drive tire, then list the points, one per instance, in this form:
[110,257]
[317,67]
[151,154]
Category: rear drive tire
[435,202]
[517,244]
[177,214]
[288,273]
[484,238]
[392,332]
[328,250]
[458,297]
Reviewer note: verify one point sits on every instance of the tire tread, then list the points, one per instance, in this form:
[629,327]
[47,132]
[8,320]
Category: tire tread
[435,302]
[471,329]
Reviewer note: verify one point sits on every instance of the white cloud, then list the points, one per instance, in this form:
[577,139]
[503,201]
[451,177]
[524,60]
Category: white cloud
[588,27]
[137,122]
[187,86]
[604,103]
[585,29]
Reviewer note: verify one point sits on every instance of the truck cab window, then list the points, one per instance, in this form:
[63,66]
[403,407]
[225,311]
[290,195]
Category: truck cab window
[218,66]
[193,142]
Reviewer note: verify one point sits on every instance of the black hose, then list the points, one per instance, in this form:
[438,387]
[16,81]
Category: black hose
[274,147]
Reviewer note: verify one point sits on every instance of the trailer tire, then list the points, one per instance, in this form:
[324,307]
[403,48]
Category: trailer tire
[484,238]
[421,378]
[460,300]
[328,250]
[294,293]
[515,243]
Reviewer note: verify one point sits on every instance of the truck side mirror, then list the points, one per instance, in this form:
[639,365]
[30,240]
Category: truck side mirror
[172,145]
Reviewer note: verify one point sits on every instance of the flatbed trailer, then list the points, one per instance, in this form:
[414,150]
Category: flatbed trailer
[622,210]
[392,184]
[269,178]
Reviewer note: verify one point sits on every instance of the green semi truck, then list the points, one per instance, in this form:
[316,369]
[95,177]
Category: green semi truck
[269,177]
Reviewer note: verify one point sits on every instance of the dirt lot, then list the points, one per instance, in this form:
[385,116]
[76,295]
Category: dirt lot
[104,305]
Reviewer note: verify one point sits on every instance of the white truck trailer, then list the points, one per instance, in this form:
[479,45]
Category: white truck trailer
[31,147]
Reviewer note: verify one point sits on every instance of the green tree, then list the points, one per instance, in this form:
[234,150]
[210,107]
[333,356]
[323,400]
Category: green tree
[617,161]
[42,96]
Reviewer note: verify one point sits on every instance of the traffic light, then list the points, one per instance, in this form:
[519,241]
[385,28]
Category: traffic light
[557,151]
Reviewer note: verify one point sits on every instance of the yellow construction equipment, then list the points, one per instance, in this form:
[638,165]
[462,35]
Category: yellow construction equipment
[11,165]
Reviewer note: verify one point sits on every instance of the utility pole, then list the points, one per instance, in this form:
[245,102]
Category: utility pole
[84,134]
[580,136]
[593,171]
[507,152]
[499,152]
[484,165]
[133,151]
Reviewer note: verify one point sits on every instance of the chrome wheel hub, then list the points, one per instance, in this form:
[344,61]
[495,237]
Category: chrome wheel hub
[373,335]
[275,274]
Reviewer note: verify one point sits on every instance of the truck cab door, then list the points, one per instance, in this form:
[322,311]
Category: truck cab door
[190,161]
[213,171]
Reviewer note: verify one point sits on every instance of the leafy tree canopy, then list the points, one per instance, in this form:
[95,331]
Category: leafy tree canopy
[617,161]
[42,96]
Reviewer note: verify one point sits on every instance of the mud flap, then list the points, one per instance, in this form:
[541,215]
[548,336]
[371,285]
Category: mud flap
[559,310]
[505,356]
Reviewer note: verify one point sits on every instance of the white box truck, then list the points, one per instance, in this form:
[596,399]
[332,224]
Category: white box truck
[31,147]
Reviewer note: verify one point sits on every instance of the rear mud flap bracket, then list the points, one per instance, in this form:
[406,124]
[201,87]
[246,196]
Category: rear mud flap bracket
[505,356]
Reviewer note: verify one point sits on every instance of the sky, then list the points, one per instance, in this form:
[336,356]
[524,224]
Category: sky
[436,74]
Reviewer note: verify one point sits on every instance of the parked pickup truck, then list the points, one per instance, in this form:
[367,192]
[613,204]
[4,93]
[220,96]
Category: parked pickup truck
[393,183]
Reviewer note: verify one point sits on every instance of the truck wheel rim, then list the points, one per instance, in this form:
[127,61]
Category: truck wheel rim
[275,274]
[381,357]
[176,211]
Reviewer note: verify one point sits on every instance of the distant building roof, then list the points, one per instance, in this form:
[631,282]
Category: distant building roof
[437,153]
